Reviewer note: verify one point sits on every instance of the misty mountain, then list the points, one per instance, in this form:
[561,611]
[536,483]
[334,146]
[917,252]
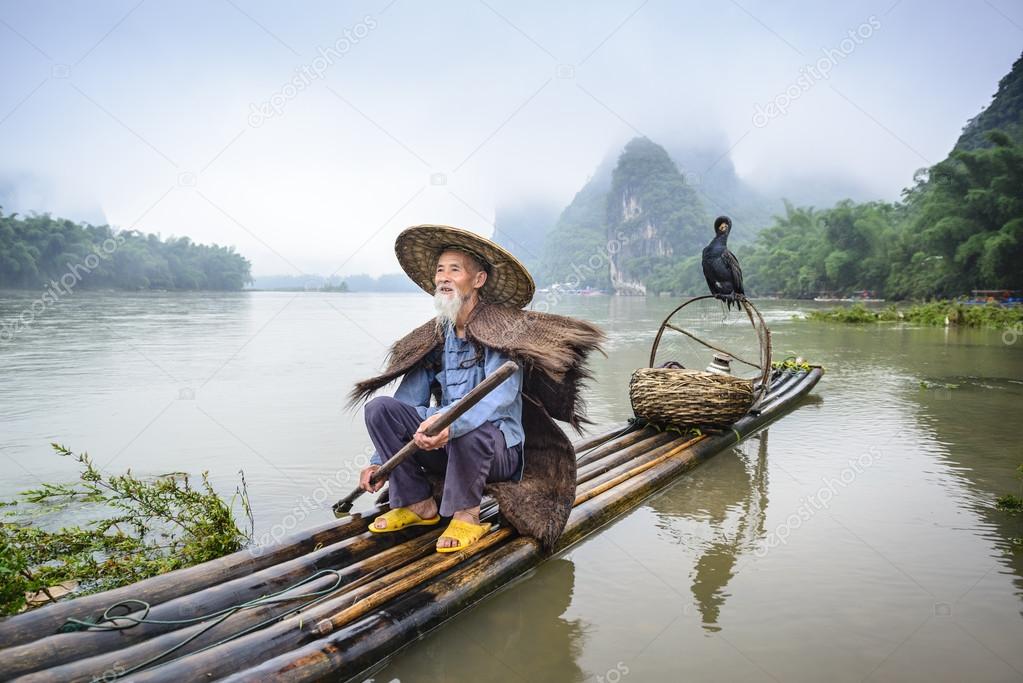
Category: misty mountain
[635,217]
[711,173]
[811,188]
[654,216]
[1005,113]
[522,228]
[579,235]
[663,201]
[24,192]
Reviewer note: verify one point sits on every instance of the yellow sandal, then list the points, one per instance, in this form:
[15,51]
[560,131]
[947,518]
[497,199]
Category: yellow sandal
[399,518]
[466,533]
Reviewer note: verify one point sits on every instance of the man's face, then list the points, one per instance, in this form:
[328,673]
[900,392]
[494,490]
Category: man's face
[456,272]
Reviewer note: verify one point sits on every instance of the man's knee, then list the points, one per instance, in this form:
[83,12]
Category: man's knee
[380,408]
[472,443]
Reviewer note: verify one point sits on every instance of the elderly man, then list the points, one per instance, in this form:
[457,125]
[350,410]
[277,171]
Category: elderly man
[483,445]
[507,444]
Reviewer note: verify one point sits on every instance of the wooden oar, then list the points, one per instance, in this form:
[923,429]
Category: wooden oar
[468,401]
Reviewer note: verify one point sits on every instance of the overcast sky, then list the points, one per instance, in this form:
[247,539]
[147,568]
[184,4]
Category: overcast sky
[309,134]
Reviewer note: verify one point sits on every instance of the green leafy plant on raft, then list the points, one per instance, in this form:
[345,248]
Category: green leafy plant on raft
[791,363]
[142,527]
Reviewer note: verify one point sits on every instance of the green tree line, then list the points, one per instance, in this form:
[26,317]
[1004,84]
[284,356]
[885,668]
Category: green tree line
[960,227]
[40,250]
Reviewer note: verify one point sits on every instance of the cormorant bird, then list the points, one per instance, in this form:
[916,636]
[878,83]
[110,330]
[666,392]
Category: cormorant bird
[720,267]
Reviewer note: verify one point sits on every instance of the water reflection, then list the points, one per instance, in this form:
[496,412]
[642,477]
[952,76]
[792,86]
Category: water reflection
[735,516]
[977,436]
[521,635]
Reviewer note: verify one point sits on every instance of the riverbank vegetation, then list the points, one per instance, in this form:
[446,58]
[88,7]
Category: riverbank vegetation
[640,226]
[139,528]
[41,251]
[931,313]
[960,228]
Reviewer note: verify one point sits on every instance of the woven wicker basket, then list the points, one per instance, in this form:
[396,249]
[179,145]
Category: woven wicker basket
[687,398]
[668,396]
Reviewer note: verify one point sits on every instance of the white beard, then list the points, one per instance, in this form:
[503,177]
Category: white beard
[447,307]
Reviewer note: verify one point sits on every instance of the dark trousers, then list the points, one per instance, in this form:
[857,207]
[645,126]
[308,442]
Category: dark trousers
[467,462]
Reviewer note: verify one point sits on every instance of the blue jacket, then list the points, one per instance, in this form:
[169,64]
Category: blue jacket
[460,372]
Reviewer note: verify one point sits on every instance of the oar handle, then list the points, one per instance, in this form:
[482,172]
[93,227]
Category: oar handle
[460,407]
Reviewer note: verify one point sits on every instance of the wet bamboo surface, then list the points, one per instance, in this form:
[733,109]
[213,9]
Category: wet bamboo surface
[394,586]
[26,627]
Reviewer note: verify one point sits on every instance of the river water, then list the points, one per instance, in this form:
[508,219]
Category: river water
[854,539]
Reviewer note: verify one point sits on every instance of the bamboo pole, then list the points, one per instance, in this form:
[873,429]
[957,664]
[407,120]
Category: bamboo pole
[640,459]
[59,648]
[358,646]
[594,441]
[612,446]
[29,626]
[22,662]
[70,657]
[456,410]
[593,469]
[315,623]
[611,483]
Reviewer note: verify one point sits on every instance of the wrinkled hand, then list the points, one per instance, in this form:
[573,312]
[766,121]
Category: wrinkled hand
[364,476]
[430,443]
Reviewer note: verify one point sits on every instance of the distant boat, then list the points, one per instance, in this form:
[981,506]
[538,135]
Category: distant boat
[1004,297]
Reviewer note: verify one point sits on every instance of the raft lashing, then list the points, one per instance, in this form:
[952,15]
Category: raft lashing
[380,591]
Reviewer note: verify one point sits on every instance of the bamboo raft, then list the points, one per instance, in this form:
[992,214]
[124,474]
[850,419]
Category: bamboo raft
[381,592]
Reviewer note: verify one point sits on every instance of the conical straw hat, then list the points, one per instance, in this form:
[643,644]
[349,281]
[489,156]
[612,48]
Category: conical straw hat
[508,281]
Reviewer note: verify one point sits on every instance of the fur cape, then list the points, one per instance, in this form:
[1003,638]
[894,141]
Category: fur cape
[552,351]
